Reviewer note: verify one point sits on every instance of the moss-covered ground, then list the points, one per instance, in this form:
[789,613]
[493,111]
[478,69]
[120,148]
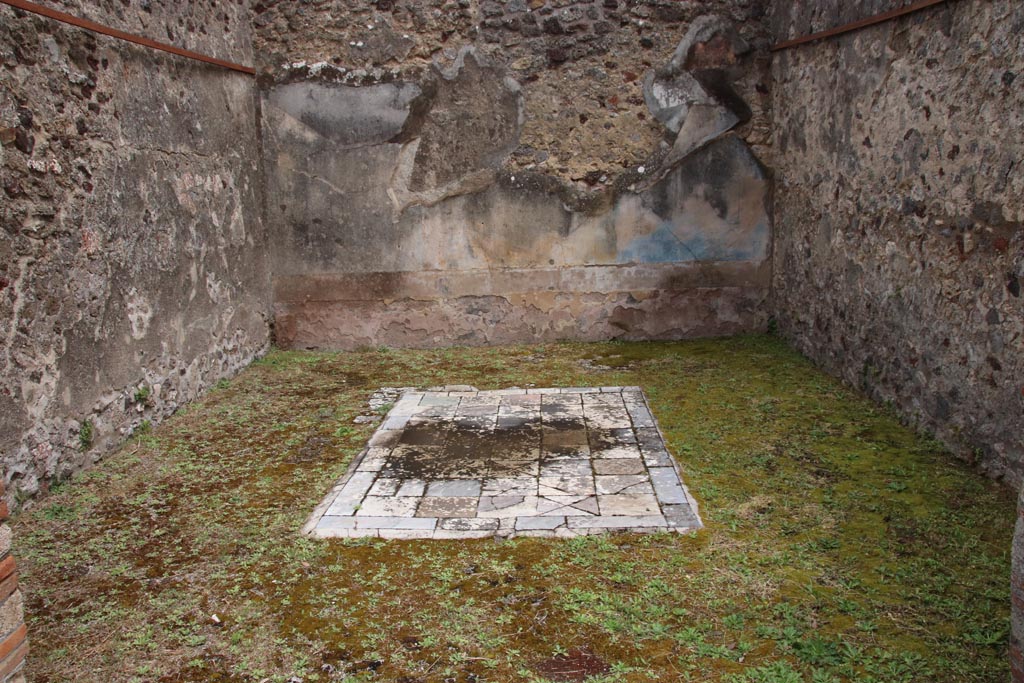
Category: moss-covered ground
[839,546]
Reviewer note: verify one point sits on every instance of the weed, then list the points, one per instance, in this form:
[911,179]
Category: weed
[85,435]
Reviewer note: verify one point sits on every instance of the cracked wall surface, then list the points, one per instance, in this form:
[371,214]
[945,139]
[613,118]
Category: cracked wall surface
[581,64]
[133,258]
[899,211]
[409,173]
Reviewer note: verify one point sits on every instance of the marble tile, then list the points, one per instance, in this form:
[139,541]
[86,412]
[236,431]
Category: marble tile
[619,466]
[454,487]
[387,506]
[623,483]
[630,504]
[448,506]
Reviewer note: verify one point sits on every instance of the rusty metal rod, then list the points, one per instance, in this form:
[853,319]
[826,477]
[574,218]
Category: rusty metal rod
[122,35]
[853,25]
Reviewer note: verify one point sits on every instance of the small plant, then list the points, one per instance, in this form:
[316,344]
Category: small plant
[818,651]
[142,394]
[776,672]
[85,435]
[821,676]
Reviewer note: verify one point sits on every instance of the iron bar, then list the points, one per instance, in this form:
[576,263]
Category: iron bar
[856,25]
[124,35]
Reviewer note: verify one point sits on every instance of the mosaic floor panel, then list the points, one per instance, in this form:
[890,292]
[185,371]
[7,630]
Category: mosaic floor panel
[511,462]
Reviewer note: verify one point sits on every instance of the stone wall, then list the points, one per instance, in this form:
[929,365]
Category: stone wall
[462,172]
[899,213]
[133,265]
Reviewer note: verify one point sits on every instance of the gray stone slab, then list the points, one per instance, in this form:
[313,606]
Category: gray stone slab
[567,505]
[604,399]
[499,503]
[658,459]
[479,400]
[385,437]
[627,451]
[484,422]
[402,411]
[508,506]
[385,486]
[439,399]
[605,466]
[667,485]
[351,494]
[406,534]
[521,400]
[629,504]
[435,411]
[579,467]
[395,422]
[616,522]
[681,516]
[387,506]
[549,453]
[560,532]
[454,487]
[472,410]
[510,486]
[328,522]
[539,522]
[605,420]
[373,463]
[447,506]
[566,485]
[468,524]
[623,483]
[557,401]
[564,438]
[395,523]
[412,487]
[456,534]
[517,422]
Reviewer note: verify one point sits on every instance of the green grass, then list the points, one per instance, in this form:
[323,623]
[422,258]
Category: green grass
[840,546]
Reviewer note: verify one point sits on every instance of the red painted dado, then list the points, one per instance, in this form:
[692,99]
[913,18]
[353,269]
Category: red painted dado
[1017,596]
[14,638]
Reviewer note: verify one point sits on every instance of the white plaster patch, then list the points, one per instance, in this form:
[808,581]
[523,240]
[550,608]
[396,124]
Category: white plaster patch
[139,312]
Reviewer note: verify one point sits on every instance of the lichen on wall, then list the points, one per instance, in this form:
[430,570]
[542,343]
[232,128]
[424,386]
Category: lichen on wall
[133,264]
[899,208]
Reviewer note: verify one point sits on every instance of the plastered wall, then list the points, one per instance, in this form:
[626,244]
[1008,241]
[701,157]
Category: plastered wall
[480,173]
